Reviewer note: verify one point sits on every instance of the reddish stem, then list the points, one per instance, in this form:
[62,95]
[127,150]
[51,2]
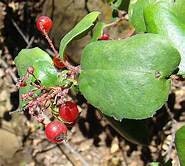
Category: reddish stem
[66,63]
[49,41]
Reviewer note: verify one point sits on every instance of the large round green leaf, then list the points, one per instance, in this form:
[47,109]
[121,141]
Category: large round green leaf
[161,19]
[165,17]
[180,144]
[128,78]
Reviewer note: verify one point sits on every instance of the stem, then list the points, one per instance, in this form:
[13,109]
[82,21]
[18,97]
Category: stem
[66,63]
[114,23]
[49,41]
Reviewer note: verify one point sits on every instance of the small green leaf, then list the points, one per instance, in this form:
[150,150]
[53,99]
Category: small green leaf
[121,4]
[179,9]
[136,17]
[43,68]
[128,78]
[81,29]
[110,1]
[180,144]
[98,31]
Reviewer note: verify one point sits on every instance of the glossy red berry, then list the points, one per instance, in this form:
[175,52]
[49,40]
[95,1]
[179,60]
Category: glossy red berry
[30,70]
[69,112]
[56,131]
[44,23]
[22,84]
[104,37]
[58,63]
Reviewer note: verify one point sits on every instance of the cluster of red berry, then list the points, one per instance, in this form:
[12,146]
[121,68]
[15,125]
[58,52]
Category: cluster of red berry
[56,131]
[66,111]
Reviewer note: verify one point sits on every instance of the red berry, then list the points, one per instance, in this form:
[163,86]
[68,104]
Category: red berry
[22,84]
[30,70]
[58,63]
[56,131]
[44,23]
[104,37]
[69,112]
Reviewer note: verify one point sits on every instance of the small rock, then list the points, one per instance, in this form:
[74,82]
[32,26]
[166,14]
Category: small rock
[114,148]
[165,147]
[85,145]
[9,144]
[2,73]
[114,161]
[133,163]
[3,95]
[2,110]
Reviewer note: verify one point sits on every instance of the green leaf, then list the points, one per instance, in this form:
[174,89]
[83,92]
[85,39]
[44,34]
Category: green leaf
[161,19]
[110,1]
[43,65]
[165,17]
[98,31]
[180,144]
[128,78]
[135,131]
[179,9]
[135,13]
[81,29]
[121,4]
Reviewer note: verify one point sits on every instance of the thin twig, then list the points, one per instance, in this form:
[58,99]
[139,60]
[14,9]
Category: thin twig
[115,22]
[75,153]
[67,156]
[44,150]
[124,155]
[20,32]
[173,131]
[8,70]
[50,52]
[12,74]
[30,42]
[17,110]
[72,150]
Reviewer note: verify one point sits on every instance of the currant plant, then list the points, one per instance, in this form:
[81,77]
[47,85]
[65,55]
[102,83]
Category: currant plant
[124,79]
[45,82]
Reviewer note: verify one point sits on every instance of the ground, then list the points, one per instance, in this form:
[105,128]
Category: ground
[92,141]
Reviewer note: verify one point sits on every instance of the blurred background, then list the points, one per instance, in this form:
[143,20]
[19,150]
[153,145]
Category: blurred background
[92,140]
